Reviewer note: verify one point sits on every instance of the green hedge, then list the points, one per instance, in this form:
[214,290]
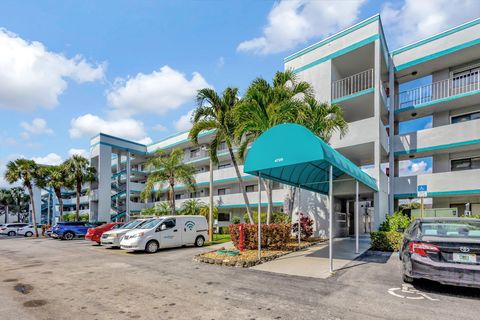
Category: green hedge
[386,240]
[274,236]
[277,217]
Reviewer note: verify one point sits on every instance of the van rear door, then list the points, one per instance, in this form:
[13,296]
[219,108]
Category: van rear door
[189,228]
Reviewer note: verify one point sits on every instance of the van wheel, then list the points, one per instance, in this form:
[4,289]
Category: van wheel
[152,246]
[68,235]
[12,233]
[407,279]
[28,234]
[199,241]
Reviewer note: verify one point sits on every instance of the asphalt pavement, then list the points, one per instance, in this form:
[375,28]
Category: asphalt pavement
[54,279]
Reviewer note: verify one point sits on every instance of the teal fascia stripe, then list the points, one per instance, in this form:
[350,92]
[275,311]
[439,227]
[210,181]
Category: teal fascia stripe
[439,147]
[338,53]
[263,204]
[333,38]
[121,139]
[440,193]
[438,36]
[169,137]
[361,93]
[178,142]
[214,181]
[438,54]
[426,104]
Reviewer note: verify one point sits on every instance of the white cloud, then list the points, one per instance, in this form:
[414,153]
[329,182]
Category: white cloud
[146,140]
[184,123]
[80,152]
[220,62]
[157,92]
[37,127]
[31,76]
[89,125]
[411,168]
[50,159]
[9,141]
[296,21]
[3,164]
[413,20]
[159,127]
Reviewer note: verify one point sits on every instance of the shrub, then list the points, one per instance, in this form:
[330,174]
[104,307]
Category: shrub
[277,217]
[223,230]
[386,240]
[395,222]
[236,220]
[306,224]
[273,236]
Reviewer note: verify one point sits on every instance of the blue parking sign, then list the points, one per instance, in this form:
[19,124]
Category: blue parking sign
[422,191]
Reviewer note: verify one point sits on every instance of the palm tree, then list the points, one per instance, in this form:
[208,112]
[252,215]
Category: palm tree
[192,207]
[26,172]
[215,112]
[168,169]
[79,172]
[266,105]
[20,202]
[6,201]
[57,178]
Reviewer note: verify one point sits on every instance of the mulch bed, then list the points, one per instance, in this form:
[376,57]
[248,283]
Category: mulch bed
[249,258]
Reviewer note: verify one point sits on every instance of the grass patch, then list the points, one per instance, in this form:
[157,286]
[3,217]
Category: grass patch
[218,238]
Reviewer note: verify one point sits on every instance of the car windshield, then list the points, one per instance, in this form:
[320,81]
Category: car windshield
[149,224]
[118,226]
[452,229]
[132,224]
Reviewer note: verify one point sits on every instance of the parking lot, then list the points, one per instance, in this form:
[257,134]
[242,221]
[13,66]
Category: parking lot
[52,279]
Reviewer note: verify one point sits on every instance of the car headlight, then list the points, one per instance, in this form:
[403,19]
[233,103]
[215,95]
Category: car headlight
[137,235]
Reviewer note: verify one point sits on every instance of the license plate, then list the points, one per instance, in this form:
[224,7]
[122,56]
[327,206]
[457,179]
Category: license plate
[464,257]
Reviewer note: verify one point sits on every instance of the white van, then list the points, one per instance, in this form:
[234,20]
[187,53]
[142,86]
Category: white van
[166,232]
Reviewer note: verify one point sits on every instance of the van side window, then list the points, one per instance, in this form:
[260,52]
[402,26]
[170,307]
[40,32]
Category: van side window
[170,223]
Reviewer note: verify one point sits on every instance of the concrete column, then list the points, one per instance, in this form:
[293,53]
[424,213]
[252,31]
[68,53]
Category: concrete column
[37,200]
[127,196]
[104,185]
[391,123]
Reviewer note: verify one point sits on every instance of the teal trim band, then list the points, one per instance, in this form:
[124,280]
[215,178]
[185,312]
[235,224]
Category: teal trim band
[438,54]
[338,53]
[438,36]
[439,147]
[440,193]
[248,176]
[333,38]
[361,93]
[121,139]
[178,142]
[168,137]
[426,104]
[239,205]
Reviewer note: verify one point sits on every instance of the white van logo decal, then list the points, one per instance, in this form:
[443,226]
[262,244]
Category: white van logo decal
[189,225]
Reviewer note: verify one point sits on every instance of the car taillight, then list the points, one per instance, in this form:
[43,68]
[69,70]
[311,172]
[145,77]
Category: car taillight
[421,248]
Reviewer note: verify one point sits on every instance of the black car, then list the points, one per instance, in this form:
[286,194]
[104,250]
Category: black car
[446,250]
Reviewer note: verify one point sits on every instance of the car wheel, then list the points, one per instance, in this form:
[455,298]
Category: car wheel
[28,234]
[12,233]
[68,235]
[199,241]
[152,246]
[407,279]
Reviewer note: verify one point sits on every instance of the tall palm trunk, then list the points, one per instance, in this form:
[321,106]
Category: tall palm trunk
[210,204]
[6,214]
[292,191]
[34,218]
[240,182]
[268,189]
[79,190]
[58,194]
[172,199]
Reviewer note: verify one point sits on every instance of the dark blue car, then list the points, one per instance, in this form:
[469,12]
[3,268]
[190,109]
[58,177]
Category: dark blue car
[71,230]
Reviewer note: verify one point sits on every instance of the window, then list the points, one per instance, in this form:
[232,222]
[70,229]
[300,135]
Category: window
[223,216]
[170,223]
[463,80]
[466,117]
[195,194]
[178,196]
[222,146]
[195,153]
[251,188]
[223,191]
[465,164]
[224,165]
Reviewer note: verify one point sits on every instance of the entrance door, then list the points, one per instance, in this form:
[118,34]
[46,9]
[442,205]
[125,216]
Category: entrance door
[351,216]
[170,235]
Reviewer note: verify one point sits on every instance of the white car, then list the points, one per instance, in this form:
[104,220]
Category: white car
[11,229]
[166,232]
[112,237]
[29,231]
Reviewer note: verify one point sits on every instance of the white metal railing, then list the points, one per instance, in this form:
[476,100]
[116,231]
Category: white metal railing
[439,90]
[352,84]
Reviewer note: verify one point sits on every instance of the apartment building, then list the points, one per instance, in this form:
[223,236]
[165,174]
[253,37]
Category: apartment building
[380,91]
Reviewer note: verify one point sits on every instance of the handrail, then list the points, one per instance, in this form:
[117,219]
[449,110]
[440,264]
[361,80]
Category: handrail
[438,90]
[352,84]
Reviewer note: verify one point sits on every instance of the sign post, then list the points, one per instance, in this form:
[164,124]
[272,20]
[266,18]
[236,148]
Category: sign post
[422,192]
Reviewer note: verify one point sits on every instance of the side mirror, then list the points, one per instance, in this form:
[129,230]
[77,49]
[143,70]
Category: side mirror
[163,227]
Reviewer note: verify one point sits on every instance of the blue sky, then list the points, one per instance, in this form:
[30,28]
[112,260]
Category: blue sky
[131,68]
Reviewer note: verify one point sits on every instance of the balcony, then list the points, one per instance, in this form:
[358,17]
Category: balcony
[352,86]
[461,136]
[440,184]
[444,95]
[357,134]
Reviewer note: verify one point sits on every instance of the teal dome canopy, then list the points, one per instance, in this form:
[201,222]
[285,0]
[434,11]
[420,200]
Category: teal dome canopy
[291,154]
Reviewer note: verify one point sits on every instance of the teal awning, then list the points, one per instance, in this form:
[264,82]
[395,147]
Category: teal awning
[293,155]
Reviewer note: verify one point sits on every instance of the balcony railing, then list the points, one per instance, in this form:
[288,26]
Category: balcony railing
[352,84]
[439,90]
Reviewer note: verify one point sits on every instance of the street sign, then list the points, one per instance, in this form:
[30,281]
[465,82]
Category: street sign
[422,191]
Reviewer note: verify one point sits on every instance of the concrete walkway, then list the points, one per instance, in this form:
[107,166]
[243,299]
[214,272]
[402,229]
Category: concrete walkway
[313,261]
